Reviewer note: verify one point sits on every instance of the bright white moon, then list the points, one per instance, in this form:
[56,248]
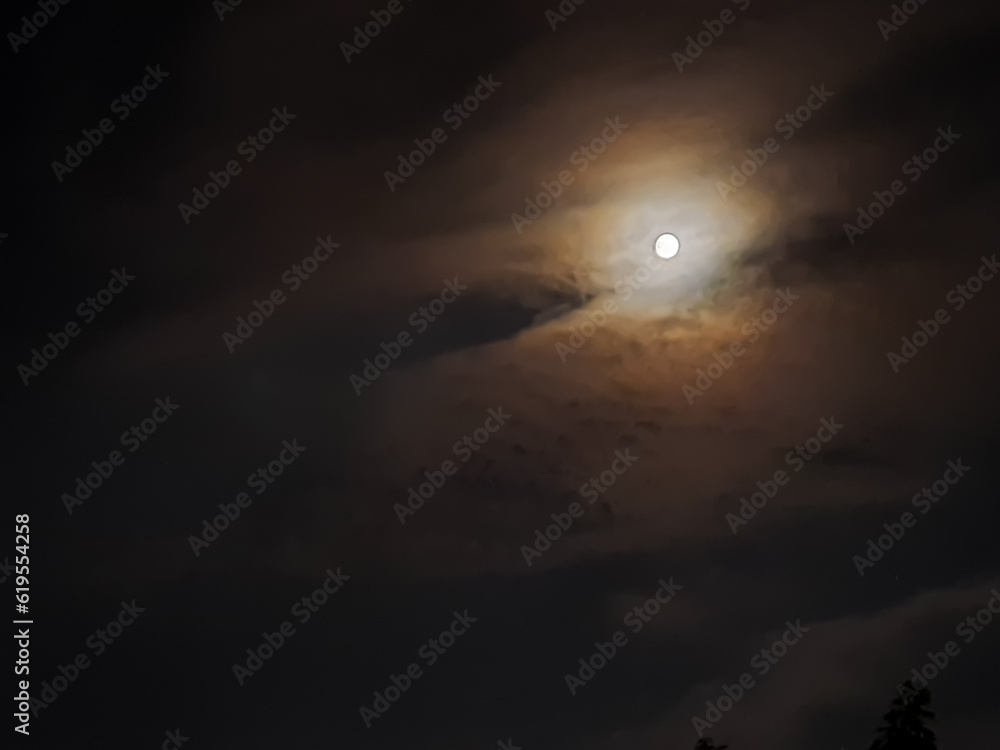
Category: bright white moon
[667,246]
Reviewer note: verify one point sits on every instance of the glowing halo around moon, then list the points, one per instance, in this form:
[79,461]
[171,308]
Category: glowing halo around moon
[622,239]
[667,246]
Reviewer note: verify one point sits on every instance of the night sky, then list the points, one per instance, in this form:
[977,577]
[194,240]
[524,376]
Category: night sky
[349,315]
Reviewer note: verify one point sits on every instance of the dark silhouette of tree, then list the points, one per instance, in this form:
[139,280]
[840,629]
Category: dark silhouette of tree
[706,743]
[905,723]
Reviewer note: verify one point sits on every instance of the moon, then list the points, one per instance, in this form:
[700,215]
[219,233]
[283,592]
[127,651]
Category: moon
[667,246]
